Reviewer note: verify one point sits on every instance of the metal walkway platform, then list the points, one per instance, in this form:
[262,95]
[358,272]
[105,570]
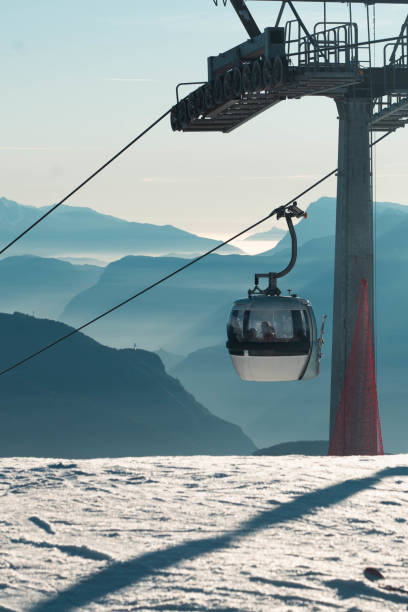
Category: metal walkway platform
[232,114]
[302,81]
[391,117]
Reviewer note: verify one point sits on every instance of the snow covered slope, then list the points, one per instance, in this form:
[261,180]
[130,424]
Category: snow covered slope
[204,533]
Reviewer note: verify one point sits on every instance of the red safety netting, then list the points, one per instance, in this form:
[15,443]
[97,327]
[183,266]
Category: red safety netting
[357,430]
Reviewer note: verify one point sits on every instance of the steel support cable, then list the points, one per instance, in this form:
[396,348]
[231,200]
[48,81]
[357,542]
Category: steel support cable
[177,271]
[87,180]
[374,198]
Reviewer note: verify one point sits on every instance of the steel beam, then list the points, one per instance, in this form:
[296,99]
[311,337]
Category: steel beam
[246,18]
[354,237]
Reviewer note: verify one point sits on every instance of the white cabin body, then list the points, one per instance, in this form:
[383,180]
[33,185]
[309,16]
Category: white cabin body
[273,338]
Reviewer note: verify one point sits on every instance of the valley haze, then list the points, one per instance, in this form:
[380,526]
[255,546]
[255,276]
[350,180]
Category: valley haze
[184,322]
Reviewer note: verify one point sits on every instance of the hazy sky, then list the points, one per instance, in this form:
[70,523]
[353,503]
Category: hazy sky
[80,78]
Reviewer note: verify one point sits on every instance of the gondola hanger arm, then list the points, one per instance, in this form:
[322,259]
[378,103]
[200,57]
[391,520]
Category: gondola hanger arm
[272,289]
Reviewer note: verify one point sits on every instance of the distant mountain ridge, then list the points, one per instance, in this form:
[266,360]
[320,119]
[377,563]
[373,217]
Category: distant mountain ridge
[190,310]
[163,317]
[275,233]
[321,221]
[41,285]
[82,399]
[188,314]
[312,448]
[76,230]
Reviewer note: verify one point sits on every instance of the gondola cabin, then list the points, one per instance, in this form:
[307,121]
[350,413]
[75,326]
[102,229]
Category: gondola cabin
[273,338]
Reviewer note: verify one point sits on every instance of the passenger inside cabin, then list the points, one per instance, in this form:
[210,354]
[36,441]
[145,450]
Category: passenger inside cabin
[268,332]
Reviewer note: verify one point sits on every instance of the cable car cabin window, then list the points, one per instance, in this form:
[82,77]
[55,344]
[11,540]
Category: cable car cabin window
[235,327]
[266,332]
[276,326]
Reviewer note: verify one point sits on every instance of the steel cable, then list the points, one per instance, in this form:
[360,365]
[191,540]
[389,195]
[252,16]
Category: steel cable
[177,271]
[87,180]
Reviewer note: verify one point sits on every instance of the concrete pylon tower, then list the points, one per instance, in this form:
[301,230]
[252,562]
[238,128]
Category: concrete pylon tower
[353,390]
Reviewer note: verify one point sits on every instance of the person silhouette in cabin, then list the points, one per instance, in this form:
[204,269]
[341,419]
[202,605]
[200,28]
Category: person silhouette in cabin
[268,332]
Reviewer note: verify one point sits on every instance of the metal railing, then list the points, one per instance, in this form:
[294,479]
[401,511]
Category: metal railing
[325,47]
[390,112]
[387,102]
[395,58]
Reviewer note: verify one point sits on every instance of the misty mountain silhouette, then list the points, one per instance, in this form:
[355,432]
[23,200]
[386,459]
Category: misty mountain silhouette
[187,315]
[42,286]
[165,316]
[78,230]
[82,399]
[275,233]
[270,413]
[321,221]
[310,448]
[189,311]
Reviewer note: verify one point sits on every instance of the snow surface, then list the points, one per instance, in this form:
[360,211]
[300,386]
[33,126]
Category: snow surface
[204,533]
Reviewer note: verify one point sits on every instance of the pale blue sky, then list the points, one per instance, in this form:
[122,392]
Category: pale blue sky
[81,78]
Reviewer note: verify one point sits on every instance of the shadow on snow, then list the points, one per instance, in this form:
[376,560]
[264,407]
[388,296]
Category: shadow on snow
[123,574]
